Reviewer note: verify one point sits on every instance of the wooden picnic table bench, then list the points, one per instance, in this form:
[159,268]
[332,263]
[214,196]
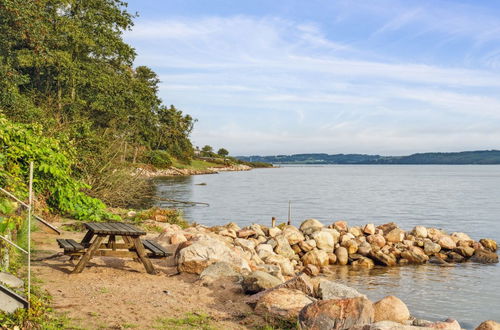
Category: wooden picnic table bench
[93,244]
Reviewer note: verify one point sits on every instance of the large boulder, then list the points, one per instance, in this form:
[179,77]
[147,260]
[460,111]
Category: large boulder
[391,308]
[219,270]
[259,281]
[333,290]
[336,314]
[282,303]
[309,226]
[489,325]
[316,257]
[415,255]
[324,240]
[206,251]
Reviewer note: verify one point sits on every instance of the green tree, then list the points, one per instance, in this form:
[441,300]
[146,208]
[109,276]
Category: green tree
[223,152]
[207,151]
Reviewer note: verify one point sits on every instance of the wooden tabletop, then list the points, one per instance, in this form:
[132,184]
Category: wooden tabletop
[114,228]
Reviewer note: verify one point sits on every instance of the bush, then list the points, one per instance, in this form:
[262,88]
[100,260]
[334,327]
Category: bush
[159,158]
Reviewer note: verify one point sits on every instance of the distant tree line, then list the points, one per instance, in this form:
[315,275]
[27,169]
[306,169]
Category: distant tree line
[450,158]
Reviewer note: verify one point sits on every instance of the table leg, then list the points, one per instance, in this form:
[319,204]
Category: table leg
[87,238]
[129,241]
[139,249]
[88,255]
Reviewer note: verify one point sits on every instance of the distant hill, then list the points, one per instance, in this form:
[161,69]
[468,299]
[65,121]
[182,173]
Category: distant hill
[484,157]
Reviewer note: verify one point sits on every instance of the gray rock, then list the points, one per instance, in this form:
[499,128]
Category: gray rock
[10,280]
[259,281]
[219,270]
[333,290]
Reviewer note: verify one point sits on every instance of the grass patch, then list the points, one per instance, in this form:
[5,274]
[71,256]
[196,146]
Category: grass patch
[196,164]
[190,321]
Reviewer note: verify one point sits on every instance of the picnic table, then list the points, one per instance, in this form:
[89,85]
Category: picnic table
[93,244]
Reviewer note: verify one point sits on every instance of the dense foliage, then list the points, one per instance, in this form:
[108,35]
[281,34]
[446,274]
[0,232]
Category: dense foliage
[65,69]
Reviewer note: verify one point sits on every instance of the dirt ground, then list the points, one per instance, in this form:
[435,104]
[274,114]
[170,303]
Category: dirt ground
[117,293]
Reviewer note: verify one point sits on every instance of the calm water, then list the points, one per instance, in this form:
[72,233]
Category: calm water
[455,198]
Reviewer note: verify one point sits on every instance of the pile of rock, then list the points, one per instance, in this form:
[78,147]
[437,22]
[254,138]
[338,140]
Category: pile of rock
[274,265]
[286,250]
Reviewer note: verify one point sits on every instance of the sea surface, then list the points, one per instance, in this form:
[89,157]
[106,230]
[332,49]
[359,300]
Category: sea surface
[464,198]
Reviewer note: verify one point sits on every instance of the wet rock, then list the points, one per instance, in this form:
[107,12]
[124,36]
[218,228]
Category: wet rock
[430,248]
[419,231]
[282,303]
[489,325]
[415,255]
[391,308]
[259,281]
[394,236]
[333,290]
[309,226]
[446,242]
[484,257]
[369,229]
[455,257]
[342,255]
[206,251]
[363,262]
[332,258]
[324,240]
[317,258]
[311,270]
[377,240]
[383,258]
[488,244]
[439,261]
[336,314]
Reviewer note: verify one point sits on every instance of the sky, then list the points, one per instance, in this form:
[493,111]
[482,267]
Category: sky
[389,77]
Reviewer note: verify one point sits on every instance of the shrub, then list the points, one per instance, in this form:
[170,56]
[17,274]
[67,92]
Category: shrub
[159,158]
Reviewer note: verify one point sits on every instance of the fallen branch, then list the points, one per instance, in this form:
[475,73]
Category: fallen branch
[180,202]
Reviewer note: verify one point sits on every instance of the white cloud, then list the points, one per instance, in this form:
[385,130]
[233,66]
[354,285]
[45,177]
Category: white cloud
[269,85]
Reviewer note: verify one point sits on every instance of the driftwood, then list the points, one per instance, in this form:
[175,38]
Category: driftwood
[180,202]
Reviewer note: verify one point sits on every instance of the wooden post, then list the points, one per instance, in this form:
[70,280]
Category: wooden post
[139,249]
[90,252]
[289,213]
[273,222]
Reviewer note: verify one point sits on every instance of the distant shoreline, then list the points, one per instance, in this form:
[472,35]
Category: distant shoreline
[480,157]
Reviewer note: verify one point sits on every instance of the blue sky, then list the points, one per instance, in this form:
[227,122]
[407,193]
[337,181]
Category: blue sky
[384,77]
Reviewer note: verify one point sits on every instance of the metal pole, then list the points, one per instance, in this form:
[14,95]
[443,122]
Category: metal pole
[30,208]
[289,212]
